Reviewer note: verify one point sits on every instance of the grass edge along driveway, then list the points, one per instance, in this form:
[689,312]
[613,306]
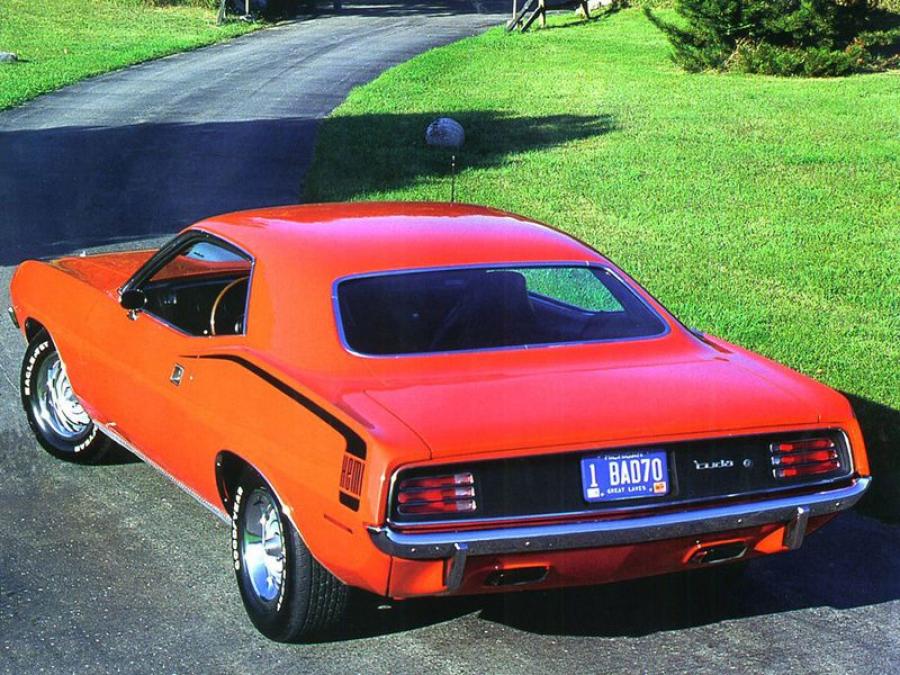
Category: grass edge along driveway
[763,210]
[64,41]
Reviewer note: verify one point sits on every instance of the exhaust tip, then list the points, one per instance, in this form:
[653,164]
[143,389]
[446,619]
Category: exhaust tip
[519,576]
[719,553]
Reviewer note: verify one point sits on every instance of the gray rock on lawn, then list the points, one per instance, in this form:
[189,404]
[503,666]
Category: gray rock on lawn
[8,57]
[445,132]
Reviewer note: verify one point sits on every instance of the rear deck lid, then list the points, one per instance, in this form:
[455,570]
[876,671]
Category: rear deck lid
[560,408]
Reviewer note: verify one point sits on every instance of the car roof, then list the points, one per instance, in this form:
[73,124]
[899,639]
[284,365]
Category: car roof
[351,238]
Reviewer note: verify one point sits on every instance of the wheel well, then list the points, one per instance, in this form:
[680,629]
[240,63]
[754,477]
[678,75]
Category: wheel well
[228,469]
[32,328]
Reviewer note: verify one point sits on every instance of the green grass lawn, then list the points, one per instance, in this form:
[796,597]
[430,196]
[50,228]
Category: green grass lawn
[759,209]
[62,41]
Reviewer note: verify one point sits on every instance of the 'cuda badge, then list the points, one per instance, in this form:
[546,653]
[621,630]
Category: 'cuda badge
[717,464]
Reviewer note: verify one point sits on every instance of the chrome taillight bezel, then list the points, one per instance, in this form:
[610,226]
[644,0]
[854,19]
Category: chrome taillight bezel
[804,458]
[436,495]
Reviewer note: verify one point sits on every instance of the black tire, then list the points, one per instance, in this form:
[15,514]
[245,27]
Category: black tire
[297,600]
[63,428]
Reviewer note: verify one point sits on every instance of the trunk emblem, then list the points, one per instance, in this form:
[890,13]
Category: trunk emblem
[716,464]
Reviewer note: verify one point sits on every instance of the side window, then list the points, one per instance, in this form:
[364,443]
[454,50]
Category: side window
[202,290]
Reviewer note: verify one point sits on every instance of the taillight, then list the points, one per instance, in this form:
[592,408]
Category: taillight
[807,444]
[807,457]
[454,493]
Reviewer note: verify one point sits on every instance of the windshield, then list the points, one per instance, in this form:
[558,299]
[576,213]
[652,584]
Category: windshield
[489,307]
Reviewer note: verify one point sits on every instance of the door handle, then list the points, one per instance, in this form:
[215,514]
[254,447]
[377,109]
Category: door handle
[177,374]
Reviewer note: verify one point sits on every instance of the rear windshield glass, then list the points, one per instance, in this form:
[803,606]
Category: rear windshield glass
[483,308]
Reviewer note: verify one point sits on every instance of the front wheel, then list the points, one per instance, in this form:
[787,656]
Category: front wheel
[288,595]
[55,415]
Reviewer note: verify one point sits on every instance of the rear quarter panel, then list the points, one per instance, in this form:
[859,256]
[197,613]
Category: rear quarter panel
[834,408]
[300,456]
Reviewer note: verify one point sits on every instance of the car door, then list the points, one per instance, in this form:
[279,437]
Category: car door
[147,353]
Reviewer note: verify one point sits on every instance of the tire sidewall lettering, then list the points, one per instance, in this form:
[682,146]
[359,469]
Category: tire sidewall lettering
[284,566]
[84,449]
[29,368]
[236,553]
[235,517]
[87,441]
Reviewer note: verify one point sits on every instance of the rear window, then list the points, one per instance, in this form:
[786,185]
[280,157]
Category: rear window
[490,307]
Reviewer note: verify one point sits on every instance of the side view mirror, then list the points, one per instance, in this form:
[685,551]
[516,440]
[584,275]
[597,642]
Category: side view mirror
[133,299]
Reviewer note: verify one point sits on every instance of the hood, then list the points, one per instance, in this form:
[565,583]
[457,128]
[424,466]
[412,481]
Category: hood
[106,271]
[596,405]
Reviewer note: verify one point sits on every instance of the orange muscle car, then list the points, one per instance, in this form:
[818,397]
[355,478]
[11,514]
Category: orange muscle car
[426,399]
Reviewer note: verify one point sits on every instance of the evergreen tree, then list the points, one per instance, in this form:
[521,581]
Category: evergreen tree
[780,37]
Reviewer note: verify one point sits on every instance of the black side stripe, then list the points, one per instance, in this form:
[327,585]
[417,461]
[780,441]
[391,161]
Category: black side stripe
[351,503]
[356,446]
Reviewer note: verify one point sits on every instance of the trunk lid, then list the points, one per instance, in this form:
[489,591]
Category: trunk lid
[595,405]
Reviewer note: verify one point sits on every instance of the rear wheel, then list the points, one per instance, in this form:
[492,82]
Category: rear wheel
[56,416]
[288,595]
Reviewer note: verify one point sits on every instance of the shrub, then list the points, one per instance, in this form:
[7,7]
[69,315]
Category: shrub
[813,38]
[274,9]
[270,9]
[211,4]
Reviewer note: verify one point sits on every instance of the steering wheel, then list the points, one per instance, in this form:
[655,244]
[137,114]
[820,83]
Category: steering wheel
[218,302]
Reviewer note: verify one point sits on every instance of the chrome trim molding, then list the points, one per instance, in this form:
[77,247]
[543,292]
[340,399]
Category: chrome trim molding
[599,533]
[601,513]
[118,438]
[13,317]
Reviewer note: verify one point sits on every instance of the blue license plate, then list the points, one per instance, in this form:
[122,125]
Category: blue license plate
[625,475]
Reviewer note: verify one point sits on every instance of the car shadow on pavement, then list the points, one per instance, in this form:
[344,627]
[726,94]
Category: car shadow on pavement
[117,455]
[852,562]
[370,616]
[881,432]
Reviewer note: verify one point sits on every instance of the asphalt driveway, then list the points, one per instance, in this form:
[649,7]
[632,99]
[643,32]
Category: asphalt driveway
[112,569]
[160,145]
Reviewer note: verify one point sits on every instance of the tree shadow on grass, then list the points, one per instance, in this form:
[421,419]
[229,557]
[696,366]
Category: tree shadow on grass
[65,188]
[361,154]
[881,432]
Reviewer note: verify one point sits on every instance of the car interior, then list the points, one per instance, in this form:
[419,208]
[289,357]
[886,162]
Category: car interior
[476,309]
[203,291]
[200,306]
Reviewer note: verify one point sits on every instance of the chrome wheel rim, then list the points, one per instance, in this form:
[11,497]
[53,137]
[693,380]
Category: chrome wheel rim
[262,545]
[55,405]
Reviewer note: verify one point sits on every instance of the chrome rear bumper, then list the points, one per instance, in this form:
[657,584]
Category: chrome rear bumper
[793,511]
